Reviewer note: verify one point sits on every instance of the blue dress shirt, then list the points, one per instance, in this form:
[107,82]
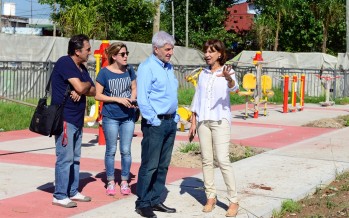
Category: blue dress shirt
[156,90]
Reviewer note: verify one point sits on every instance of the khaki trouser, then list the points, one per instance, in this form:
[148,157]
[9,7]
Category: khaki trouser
[214,141]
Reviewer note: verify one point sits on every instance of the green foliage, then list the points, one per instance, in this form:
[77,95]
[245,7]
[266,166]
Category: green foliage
[190,146]
[248,153]
[306,26]
[185,96]
[127,20]
[15,116]
[345,118]
[80,19]
[206,21]
[290,206]
[342,101]
[287,206]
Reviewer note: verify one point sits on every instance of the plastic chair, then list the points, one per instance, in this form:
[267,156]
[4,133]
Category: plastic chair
[266,91]
[249,84]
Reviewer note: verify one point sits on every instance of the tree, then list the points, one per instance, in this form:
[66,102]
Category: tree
[206,21]
[327,12]
[80,19]
[263,29]
[128,20]
[275,9]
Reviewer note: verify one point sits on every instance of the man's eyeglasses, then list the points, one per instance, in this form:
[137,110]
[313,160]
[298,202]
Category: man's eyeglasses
[122,54]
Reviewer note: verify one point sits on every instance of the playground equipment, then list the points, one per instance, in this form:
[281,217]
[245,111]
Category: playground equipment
[101,59]
[327,85]
[249,83]
[293,107]
[259,92]
[267,85]
[184,112]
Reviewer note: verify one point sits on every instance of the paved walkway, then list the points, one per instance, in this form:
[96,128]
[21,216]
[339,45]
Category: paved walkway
[298,160]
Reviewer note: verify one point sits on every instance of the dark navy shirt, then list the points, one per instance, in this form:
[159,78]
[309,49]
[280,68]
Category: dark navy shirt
[64,69]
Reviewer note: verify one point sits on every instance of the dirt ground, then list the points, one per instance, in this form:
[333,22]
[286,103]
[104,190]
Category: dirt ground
[330,201]
[193,159]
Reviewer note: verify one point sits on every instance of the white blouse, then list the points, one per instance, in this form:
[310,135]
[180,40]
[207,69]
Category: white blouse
[212,96]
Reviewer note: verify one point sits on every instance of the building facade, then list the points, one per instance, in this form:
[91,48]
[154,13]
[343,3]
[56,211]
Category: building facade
[240,17]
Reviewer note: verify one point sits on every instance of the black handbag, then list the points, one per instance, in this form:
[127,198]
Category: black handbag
[48,119]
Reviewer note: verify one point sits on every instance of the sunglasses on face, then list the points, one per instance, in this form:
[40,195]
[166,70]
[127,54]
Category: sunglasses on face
[122,54]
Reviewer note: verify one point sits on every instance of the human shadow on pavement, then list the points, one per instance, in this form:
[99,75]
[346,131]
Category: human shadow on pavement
[85,178]
[195,187]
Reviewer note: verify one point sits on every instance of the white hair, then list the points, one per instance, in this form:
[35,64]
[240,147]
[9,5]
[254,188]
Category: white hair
[160,39]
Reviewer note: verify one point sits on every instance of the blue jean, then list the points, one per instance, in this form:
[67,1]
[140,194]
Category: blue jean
[157,146]
[68,163]
[124,128]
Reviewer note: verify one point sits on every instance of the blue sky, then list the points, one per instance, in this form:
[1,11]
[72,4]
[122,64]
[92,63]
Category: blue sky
[28,8]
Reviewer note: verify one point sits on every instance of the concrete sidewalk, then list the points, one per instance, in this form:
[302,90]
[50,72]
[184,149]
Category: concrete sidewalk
[300,159]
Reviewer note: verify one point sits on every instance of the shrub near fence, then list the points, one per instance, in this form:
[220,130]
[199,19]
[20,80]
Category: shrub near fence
[27,80]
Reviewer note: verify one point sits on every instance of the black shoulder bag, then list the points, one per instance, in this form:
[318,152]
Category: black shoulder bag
[48,119]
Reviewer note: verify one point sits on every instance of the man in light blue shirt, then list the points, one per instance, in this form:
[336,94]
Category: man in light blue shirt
[157,100]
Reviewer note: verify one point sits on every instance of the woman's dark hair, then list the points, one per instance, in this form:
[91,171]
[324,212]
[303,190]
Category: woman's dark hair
[216,45]
[76,42]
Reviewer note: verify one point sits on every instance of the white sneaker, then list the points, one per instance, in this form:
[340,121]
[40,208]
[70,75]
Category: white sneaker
[80,197]
[66,202]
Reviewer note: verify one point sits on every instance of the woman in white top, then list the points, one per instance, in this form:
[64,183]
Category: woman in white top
[212,120]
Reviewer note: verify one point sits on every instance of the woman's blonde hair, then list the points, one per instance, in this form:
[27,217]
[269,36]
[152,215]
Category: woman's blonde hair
[114,49]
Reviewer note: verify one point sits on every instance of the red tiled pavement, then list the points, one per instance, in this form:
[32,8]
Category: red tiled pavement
[37,204]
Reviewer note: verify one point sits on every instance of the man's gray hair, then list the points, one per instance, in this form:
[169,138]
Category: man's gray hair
[160,39]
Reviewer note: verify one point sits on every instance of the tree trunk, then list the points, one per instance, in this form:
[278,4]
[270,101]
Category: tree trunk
[324,37]
[276,43]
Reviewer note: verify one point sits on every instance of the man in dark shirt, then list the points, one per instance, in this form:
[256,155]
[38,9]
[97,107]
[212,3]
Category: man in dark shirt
[70,70]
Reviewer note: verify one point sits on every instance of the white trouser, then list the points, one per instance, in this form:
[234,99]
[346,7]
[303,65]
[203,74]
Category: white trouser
[215,141]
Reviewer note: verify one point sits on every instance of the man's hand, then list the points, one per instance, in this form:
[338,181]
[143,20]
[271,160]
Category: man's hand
[75,96]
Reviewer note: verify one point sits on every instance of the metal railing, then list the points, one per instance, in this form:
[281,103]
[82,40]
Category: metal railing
[27,80]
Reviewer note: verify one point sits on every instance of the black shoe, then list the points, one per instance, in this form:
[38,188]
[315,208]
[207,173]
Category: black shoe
[162,208]
[146,212]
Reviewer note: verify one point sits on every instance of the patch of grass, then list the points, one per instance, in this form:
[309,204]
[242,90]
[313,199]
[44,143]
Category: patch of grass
[15,116]
[290,206]
[190,146]
[342,101]
[287,206]
[185,96]
[330,204]
[345,118]
[247,153]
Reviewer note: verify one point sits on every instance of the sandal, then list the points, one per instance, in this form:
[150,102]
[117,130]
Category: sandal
[210,204]
[232,210]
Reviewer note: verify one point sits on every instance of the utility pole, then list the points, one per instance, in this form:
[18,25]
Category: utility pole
[347,24]
[156,24]
[186,23]
[173,27]
[0,16]
[31,10]
[54,23]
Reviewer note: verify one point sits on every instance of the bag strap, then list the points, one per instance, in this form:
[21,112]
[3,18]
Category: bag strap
[48,85]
